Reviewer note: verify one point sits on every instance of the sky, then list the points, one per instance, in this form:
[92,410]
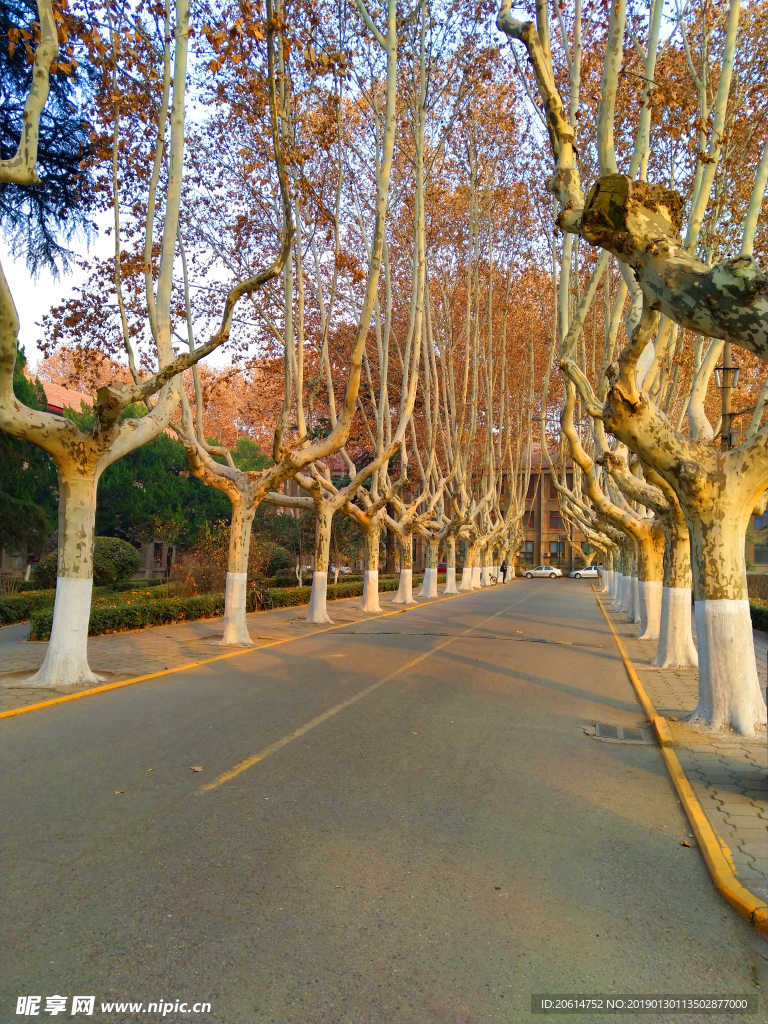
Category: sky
[34,297]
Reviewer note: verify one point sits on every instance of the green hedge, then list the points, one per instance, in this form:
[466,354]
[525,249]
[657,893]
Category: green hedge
[759,613]
[115,613]
[140,584]
[27,585]
[116,617]
[19,607]
[113,560]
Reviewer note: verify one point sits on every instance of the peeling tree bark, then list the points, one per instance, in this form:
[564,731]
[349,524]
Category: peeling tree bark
[404,593]
[717,491]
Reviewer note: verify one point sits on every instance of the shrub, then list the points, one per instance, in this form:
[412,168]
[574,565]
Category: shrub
[114,560]
[139,607]
[113,618]
[123,585]
[759,613]
[21,606]
[279,560]
[289,596]
[43,575]
[285,577]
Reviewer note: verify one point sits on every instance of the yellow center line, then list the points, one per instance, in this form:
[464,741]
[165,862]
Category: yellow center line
[209,661]
[249,762]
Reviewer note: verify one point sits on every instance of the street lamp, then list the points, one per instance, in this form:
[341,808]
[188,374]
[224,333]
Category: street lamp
[731,376]
[726,379]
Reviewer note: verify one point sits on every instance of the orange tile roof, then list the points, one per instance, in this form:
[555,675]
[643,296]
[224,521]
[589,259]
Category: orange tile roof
[59,397]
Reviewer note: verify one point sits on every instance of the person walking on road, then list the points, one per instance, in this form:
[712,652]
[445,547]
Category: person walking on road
[503,571]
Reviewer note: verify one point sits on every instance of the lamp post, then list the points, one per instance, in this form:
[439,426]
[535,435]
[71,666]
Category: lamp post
[726,378]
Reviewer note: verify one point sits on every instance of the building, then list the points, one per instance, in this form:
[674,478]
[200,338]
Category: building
[548,538]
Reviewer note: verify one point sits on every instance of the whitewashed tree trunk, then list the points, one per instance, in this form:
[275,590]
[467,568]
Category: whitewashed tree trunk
[450,570]
[235,625]
[429,584]
[676,648]
[370,600]
[626,594]
[465,583]
[717,491]
[649,592]
[633,615]
[317,612]
[404,593]
[66,660]
[729,689]
[650,579]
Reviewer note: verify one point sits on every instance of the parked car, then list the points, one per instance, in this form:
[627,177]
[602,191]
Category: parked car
[543,570]
[587,572]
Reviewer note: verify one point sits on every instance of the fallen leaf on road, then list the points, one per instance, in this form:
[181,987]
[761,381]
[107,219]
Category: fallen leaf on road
[119,791]
[150,769]
[673,719]
[686,843]
[195,768]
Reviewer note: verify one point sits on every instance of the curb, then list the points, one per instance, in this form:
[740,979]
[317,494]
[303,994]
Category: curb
[219,657]
[716,853]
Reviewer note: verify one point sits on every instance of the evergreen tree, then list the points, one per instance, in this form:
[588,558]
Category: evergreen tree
[29,493]
[37,220]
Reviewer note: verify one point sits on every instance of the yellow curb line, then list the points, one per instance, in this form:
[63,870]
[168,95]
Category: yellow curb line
[209,661]
[716,854]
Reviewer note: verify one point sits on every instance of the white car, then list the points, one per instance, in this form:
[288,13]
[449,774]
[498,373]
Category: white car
[587,572]
[543,570]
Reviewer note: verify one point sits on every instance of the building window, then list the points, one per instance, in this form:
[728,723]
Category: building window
[528,520]
[552,489]
[526,552]
[555,521]
[531,487]
[556,550]
[586,548]
[761,522]
[761,554]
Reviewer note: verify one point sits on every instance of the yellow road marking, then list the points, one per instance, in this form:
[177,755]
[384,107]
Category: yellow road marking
[716,854]
[249,762]
[209,661]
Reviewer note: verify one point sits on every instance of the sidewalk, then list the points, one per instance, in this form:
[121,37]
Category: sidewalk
[728,772]
[118,656]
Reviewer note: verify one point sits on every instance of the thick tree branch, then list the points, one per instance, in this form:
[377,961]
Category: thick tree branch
[21,169]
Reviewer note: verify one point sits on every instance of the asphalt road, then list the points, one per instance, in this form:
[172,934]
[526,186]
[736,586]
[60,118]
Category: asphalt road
[437,849]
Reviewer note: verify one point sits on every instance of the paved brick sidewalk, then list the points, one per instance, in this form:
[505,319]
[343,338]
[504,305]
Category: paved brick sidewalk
[728,772]
[116,656]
